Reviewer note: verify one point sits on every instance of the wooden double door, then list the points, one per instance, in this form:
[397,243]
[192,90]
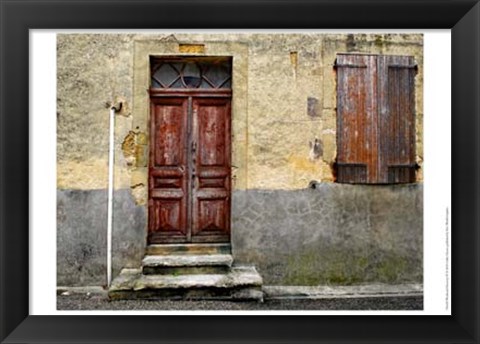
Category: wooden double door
[190,165]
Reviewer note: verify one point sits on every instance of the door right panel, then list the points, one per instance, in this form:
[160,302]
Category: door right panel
[211,149]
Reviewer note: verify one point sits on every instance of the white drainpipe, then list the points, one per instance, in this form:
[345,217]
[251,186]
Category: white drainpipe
[111,162]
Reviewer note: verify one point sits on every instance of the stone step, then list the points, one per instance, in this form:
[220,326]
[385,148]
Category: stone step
[187,264]
[241,283]
[188,249]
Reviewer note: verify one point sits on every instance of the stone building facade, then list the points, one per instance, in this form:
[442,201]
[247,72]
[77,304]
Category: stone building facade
[289,215]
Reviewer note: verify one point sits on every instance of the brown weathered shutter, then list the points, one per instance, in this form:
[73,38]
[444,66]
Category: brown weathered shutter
[396,103]
[356,119]
[375,119]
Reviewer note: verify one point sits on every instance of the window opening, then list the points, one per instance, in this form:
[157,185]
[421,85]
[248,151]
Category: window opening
[188,73]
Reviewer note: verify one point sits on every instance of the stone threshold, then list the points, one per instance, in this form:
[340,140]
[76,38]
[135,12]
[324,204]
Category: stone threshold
[188,260]
[133,279]
[188,264]
[297,292]
[239,283]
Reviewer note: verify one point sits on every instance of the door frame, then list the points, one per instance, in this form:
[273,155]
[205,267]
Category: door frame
[146,48]
[189,94]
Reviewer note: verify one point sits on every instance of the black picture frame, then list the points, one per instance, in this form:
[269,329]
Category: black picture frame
[17,17]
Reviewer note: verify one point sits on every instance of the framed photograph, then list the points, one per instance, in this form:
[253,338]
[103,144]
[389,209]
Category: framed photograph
[183,143]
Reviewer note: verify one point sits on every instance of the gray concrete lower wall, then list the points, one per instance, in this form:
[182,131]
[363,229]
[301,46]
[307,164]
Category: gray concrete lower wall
[82,235]
[332,234]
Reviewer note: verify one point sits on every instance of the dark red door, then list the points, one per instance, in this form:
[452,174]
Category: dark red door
[189,175]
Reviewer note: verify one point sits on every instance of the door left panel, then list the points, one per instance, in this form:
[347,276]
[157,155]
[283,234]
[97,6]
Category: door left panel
[168,171]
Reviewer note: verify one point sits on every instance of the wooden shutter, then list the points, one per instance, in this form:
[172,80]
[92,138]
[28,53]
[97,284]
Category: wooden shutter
[375,119]
[396,102]
[357,112]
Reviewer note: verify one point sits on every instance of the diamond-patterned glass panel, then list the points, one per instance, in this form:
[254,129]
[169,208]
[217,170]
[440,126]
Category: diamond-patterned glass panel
[188,73]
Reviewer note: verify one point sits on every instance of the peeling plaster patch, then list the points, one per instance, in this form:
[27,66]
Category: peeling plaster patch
[294,62]
[142,138]
[135,150]
[134,147]
[316,149]
[328,131]
[141,154]
[301,165]
[329,171]
[139,193]
[294,58]
[128,148]
[138,185]
[350,42]
[313,107]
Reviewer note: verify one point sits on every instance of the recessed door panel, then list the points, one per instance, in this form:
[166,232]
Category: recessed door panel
[170,135]
[211,118]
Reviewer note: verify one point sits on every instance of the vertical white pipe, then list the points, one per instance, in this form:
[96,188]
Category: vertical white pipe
[110,196]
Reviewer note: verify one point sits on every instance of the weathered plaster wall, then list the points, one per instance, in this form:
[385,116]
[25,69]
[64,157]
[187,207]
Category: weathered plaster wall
[91,71]
[284,100]
[284,137]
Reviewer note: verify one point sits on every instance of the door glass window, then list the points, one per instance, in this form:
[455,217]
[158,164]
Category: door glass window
[188,73]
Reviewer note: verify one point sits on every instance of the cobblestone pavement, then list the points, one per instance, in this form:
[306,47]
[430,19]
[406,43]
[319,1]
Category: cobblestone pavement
[99,302]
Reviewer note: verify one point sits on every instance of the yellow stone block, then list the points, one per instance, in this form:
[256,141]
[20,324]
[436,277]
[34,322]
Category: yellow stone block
[192,48]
